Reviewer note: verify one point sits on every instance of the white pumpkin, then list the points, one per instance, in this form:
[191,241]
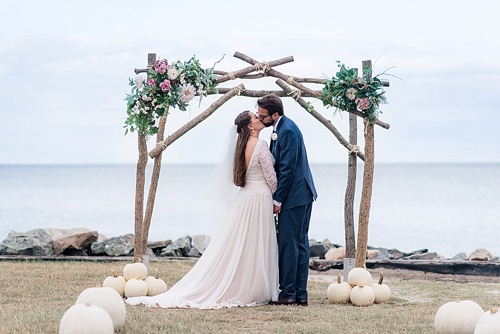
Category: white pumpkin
[489,322]
[155,285]
[382,291]
[362,295]
[115,282]
[339,292]
[135,270]
[86,318]
[359,276]
[457,317]
[135,288]
[108,299]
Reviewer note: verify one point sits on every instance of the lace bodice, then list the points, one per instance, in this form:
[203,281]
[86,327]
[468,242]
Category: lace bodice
[261,168]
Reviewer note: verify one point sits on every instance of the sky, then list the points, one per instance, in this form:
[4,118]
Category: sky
[65,67]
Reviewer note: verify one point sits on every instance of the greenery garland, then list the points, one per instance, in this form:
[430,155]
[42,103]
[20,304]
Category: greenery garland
[167,85]
[347,91]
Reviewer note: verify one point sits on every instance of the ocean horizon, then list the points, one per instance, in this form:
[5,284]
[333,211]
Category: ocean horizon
[446,208]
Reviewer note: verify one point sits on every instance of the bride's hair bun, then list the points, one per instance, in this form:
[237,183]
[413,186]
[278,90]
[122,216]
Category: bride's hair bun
[242,120]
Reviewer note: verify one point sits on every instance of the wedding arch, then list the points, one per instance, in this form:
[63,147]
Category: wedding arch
[174,85]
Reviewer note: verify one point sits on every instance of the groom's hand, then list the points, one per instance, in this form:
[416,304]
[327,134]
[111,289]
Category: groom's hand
[277,209]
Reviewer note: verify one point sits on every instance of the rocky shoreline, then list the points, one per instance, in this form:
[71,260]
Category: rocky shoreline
[82,243]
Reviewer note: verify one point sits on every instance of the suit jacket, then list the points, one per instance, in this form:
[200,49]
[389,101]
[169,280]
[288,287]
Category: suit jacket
[295,181]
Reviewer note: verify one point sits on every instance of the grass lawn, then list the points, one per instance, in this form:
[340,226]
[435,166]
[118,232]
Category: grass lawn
[35,294]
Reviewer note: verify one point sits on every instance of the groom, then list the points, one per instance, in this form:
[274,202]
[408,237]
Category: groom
[292,200]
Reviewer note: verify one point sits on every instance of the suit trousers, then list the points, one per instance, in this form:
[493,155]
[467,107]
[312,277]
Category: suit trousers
[293,250]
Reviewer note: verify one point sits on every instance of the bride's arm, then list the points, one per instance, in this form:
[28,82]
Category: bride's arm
[266,160]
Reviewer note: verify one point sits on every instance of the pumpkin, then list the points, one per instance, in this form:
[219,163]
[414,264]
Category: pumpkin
[339,292]
[136,288]
[362,295]
[382,291]
[135,270]
[155,285]
[108,299]
[489,322]
[86,318]
[359,276]
[115,282]
[457,317]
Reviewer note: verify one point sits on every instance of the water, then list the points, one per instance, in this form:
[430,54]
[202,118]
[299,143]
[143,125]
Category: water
[447,208]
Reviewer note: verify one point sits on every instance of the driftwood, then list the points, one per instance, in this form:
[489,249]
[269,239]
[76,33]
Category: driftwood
[318,116]
[162,145]
[366,190]
[350,240]
[441,267]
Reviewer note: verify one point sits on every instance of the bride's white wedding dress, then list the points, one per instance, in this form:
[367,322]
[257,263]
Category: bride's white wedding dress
[240,265]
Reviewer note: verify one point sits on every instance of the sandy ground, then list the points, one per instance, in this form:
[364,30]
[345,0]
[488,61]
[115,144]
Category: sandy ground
[399,275]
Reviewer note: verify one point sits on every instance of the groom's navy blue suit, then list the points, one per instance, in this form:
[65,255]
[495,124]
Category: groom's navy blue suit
[295,192]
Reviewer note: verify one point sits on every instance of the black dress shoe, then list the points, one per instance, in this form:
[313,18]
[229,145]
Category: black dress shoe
[283,301]
[302,302]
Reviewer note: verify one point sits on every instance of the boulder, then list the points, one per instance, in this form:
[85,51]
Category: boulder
[200,242]
[179,248]
[317,249]
[481,254]
[67,241]
[116,246]
[36,242]
[335,254]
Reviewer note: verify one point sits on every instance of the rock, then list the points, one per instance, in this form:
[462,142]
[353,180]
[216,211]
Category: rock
[372,254]
[66,241]
[424,256]
[395,254]
[200,242]
[158,246]
[335,254]
[460,257]
[317,249]
[36,242]
[480,254]
[179,247]
[116,246]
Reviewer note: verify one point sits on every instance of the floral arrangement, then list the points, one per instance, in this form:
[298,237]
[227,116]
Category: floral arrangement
[167,85]
[347,91]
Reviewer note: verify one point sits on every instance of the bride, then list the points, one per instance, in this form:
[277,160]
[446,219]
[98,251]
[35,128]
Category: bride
[240,265]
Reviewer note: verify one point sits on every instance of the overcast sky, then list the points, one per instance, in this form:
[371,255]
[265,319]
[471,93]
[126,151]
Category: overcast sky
[65,67]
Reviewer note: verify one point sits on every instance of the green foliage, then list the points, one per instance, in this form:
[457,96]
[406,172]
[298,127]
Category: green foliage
[347,91]
[167,85]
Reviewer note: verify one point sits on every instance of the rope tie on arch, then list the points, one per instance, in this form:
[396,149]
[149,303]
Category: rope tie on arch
[290,80]
[353,149]
[231,75]
[238,90]
[161,144]
[295,93]
[264,66]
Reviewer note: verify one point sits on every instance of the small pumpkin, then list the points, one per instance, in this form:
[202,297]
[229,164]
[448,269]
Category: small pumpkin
[115,282]
[135,288]
[155,285]
[108,299]
[359,276]
[339,292]
[382,291]
[489,322]
[86,318]
[362,295]
[135,270]
[457,317]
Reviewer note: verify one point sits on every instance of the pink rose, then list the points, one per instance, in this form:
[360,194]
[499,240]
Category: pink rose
[161,66]
[151,82]
[165,85]
[363,103]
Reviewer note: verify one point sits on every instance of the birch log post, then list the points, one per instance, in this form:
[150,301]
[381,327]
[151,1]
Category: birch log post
[139,185]
[366,191]
[155,176]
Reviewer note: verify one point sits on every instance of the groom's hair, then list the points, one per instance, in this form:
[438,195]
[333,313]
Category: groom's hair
[272,103]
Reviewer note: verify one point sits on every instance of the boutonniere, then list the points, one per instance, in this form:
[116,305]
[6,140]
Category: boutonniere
[274,136]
